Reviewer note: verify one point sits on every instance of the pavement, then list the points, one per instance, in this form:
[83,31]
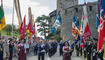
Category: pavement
[55,57]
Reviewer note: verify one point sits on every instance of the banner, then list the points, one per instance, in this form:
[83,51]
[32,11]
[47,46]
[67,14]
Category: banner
[57,23]
[17,7]
[86,29]
[101,35]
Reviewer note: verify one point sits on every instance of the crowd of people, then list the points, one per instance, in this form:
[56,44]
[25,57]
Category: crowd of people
[88,51]
[20,49]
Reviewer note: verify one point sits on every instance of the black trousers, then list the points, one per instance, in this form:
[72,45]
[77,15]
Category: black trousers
[61,52]
[1,55]
[94,58]
[10,57]
[35,51]
[88,56]
[41,56]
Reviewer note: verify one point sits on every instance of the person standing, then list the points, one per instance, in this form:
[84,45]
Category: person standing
[11,45]
[41,50]
[22,54]
[89,49]
[66,51]
[77,49]
[94,50]
[61,47]
[1,50]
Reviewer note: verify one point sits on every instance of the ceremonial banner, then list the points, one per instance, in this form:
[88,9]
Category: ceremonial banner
[86,29]
[2,17]
[23,28]
[17,7]
[57,23]
[98,15]
[30,26]
[101,26]
[75,31]
[75,28]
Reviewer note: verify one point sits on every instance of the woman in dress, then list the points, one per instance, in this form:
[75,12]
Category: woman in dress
[22,54]
[66,51]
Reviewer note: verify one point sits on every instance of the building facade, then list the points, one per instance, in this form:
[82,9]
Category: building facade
[68,9]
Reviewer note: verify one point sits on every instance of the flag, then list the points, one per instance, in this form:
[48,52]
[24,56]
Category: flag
[81,26]
[75,31]
[86,29]
[57,23]
[17,7]
[2,18]
[101,36]
[98,15]
[30,27]
[23,28]
[75,28]
[53,30]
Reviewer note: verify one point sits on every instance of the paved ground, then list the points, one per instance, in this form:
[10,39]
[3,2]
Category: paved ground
[55,57]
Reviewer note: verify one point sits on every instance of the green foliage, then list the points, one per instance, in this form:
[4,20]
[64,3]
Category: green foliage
[44,25]
[8,29]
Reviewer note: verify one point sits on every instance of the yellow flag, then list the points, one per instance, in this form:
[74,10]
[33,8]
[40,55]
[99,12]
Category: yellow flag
[3,23]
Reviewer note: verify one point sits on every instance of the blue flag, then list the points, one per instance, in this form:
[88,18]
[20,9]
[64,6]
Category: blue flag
[53,30]
[75,31]
[57,23]
[98,14]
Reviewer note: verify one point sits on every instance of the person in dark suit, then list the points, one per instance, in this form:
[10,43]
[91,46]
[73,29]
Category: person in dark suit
[94,49]
[11,45]
[77,49]
[41,50]
[1,50]
[88,49]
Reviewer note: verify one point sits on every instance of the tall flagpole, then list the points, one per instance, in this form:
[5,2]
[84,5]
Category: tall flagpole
[0,21]
[13,19]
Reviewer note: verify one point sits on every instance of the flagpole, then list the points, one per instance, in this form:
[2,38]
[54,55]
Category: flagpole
[13,18]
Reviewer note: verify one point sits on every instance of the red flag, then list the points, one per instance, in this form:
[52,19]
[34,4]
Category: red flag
[21,28]
[24,24]
[101,35]
[86,29]
[22,36]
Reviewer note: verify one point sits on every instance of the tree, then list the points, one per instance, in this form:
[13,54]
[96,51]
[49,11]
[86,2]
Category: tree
[44,25]
[8,28]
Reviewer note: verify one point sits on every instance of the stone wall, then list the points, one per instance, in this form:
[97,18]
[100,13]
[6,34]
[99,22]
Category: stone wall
[67,13]
[69,8]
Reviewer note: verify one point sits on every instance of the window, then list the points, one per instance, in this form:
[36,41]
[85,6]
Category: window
[76,9]
[90,8]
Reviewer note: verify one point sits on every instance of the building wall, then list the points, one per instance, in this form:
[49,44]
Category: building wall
[67,12]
